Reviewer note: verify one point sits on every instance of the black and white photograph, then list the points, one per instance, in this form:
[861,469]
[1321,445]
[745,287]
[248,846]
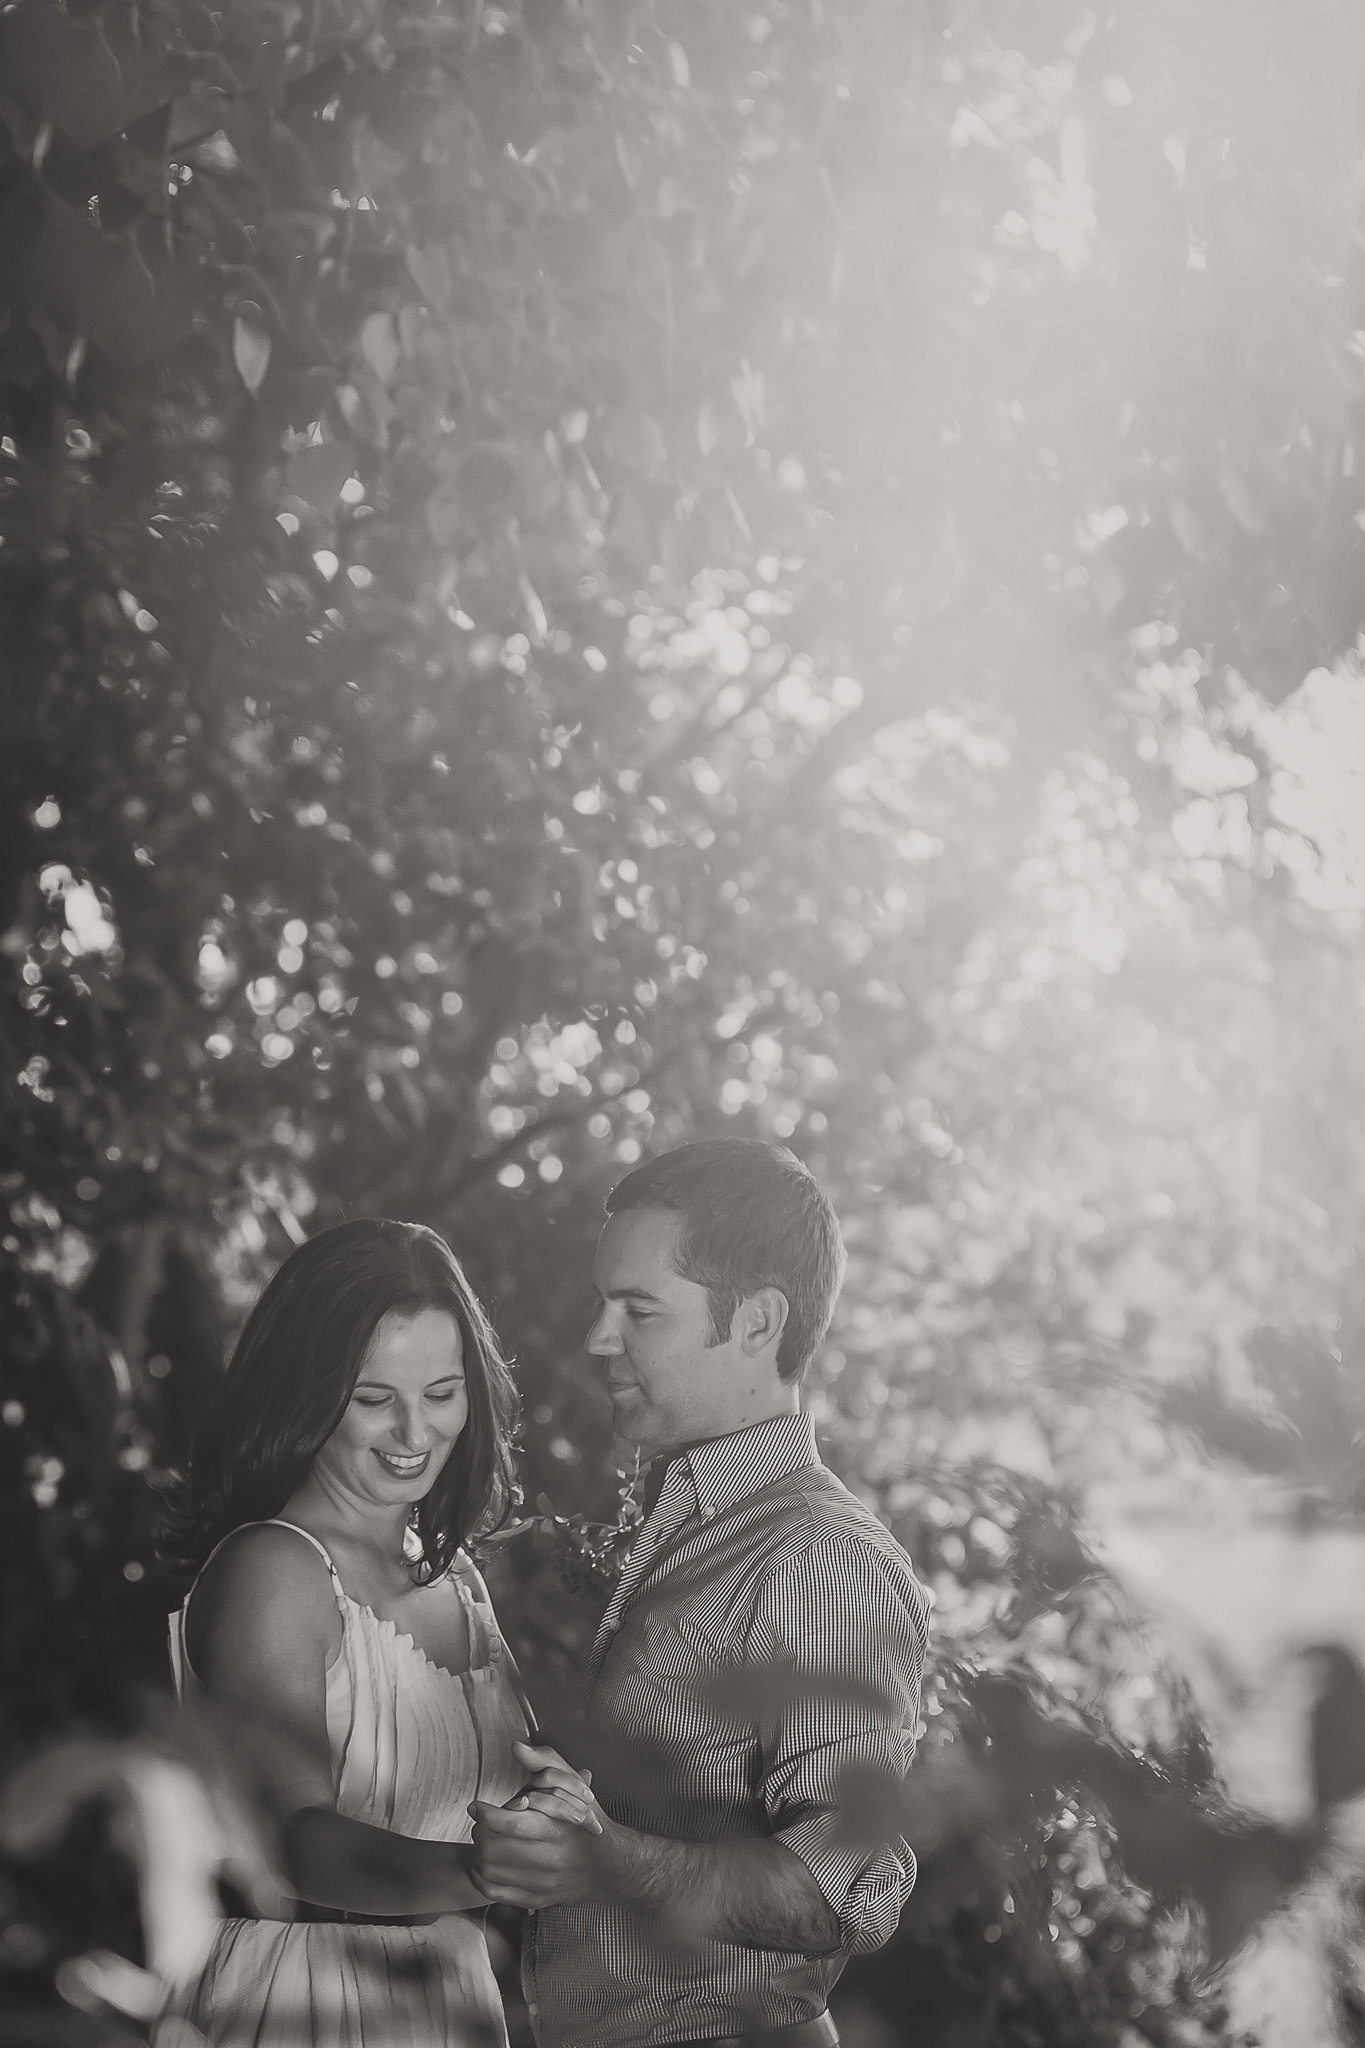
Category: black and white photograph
[682,1024]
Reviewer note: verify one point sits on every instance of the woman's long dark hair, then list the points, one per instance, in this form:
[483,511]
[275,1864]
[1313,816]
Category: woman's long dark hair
[293,1372]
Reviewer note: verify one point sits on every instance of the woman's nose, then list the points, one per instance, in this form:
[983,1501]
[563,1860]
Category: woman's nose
[412,1429]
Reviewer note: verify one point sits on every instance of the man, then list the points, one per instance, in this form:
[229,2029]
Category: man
[765,1645]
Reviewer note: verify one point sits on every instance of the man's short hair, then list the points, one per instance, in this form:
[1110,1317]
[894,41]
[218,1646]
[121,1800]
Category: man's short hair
[753,1216]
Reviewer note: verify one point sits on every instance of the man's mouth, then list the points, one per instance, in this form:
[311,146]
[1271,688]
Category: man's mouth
[404,1467]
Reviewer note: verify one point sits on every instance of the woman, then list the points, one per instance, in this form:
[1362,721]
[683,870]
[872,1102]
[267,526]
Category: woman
[362,1434]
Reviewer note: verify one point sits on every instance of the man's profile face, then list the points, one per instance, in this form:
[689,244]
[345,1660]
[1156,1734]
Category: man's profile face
[669,1383]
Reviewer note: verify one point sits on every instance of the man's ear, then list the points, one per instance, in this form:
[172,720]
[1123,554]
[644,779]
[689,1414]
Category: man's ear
[761,1319]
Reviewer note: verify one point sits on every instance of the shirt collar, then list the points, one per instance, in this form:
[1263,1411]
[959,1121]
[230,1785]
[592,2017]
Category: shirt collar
[729,1468]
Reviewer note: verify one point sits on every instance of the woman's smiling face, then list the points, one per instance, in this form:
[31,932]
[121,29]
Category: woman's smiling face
[405,1416]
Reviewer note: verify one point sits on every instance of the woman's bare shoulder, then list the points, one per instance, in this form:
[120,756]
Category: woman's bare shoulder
[266,1583]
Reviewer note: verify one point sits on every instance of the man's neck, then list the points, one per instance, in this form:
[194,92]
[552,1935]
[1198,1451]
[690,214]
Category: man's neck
[728,1427]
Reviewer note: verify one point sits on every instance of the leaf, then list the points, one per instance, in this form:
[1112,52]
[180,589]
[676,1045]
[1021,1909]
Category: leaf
[376,165]
[100,1975]
[540,486]
[215,154]
[366,408]
[738,514]
[97,285]
[1169,1839]
[486,477]
[430,271]
[317,474]
[379,346]
[194,115]
[1049,1556]
[185,1812]
[251,353]
[1336,1739]
[679,66]
[535,610]
[1240,499]
[1189,530]
[1232,1430]
[88,79]
[636,440]
[445,515]
[749,390]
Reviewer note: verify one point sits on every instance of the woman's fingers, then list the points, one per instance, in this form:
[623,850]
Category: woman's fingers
[556,1788]
[559,1806]
[541,1757]
[562,1780]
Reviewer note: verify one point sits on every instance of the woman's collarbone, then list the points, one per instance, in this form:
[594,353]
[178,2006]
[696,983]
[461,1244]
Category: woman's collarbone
[435,1620]
[433,1616]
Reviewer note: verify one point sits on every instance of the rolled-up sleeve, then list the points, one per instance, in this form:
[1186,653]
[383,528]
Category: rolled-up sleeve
[843,1625]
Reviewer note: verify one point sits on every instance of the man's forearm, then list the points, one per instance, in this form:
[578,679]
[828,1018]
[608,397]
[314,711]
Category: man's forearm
[754,1892]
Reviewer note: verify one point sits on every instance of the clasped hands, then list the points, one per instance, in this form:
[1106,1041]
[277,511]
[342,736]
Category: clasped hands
[550,1846]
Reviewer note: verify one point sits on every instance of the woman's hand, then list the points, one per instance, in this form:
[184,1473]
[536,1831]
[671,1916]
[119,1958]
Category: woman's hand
[554,1787]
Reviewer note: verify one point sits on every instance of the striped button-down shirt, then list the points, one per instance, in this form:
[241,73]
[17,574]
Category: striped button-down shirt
[755,1560]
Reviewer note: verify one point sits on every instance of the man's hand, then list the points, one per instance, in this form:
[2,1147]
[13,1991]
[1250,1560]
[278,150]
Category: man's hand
[751,1891]
[527,1857]
[526,1853]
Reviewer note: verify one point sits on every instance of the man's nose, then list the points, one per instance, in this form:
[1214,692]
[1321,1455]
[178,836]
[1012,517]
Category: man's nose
[604,1337]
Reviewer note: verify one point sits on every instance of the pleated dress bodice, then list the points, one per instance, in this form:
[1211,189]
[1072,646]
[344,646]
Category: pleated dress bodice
[411,1745]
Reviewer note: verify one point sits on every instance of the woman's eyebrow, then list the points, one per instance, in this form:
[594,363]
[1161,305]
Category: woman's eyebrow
[387,1387]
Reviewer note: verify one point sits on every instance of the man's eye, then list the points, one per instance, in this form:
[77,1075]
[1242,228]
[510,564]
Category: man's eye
[640,1315]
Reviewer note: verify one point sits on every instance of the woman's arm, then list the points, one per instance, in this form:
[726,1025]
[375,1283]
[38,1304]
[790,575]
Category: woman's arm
[263,1626]
[335,1851]
[338,1862]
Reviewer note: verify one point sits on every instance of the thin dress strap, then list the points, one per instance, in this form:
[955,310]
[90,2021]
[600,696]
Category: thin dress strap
[278,1522]
[182,1671]
[484,1633]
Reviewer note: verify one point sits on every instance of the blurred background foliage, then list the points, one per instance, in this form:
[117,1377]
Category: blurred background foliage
[583,573]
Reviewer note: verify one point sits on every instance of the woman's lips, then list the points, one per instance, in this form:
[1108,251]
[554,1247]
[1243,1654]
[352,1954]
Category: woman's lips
[402,1466]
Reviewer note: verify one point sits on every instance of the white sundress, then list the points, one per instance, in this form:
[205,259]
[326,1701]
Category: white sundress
[412,1744]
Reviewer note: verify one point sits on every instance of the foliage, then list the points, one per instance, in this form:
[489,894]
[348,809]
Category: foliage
[574,574]
[80,1621]
[1305,1424]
